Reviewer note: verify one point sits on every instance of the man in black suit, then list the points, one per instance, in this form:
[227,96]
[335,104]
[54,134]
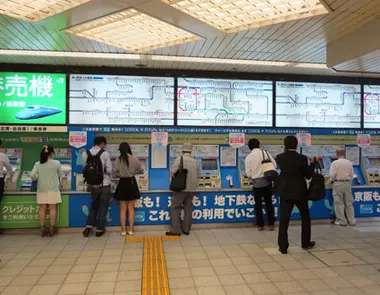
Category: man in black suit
[292,189]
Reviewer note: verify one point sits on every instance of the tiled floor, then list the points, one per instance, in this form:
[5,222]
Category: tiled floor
[238,261]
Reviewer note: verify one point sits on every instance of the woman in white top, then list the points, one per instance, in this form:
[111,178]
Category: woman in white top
[262,188]
[47,172]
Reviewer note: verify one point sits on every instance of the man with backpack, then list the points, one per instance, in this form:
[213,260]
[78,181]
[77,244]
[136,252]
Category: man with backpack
[97,171]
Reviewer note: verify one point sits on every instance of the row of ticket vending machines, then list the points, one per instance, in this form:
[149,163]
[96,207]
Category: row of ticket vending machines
[221,166]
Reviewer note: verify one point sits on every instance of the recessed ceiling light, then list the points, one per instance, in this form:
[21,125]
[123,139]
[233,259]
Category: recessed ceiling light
[247,14]
[132,30]
[36,10]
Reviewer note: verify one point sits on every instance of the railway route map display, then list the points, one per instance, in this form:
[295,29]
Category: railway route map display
[121,100]
[371,106]
[300,104]
[215,102]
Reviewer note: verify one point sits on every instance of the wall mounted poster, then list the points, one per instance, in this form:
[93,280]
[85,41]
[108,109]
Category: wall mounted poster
[32,98]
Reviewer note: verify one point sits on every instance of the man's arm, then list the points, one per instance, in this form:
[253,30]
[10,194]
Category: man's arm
[84,158]
[7,164]
[175,166]
[107,163]
[248,168]
[333,172]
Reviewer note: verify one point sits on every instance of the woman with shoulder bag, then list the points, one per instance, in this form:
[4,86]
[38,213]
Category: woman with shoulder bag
[126,166]
[262,186]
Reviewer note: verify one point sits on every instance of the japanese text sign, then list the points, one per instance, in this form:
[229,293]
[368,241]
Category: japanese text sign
[160,139]
[364,140]
[236,139]
[32,98]
[304,139]
[78,139]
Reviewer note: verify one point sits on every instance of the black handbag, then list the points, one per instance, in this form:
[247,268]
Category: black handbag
[178,182]
[317,189]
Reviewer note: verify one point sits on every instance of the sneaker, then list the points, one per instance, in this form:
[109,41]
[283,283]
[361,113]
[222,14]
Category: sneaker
[169,233]
[87,232]
[99,233]
[131,233]
[260,228]
[186,233]
[123,233]
[271,227]
[339,223]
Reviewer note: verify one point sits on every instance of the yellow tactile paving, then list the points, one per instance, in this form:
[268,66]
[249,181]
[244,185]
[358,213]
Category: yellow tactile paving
[154,274]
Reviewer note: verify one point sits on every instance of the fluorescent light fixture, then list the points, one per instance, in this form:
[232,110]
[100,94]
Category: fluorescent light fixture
[231,16]
[163,58]
[133,31]
[36,10]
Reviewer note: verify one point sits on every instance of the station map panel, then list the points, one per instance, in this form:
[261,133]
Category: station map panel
[371,106]
[317,105]
[124,100]
[214,102]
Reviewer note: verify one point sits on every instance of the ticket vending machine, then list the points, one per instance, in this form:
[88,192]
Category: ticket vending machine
[207,157]
[63,155]
[245,181]
[370,165]
[141,151]
[15,158]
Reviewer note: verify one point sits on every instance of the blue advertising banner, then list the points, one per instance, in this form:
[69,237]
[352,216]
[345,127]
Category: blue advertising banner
[207,130]
[214,207]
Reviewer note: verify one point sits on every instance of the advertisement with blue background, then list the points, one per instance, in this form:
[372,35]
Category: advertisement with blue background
[216,207]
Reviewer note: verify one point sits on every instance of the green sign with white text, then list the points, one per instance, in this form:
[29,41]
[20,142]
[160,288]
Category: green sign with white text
[32,98]
[22,211]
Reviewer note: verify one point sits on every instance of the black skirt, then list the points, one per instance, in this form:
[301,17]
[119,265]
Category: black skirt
[127,189]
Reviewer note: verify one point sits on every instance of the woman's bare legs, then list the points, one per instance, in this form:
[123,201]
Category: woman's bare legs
[123,215]
[131,215]
[42,214]
[53,214]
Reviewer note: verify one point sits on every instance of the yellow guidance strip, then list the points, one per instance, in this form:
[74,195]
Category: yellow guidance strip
[154,276]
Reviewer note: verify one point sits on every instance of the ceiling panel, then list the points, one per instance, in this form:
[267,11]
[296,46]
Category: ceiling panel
[296,41]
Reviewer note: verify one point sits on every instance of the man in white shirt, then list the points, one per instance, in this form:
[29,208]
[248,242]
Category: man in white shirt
[342,173]
[262,188]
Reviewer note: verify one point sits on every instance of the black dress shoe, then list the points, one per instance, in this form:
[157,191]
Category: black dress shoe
[283,251]
[87,232]
[186,233]
[169,233]
[99,233]
[310,246]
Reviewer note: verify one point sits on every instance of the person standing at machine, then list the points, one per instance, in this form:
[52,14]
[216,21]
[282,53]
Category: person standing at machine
[262,188]
[126,166]
[292,189]
[185,198]
[4,163]
[47,172]
[341,174]
[97,171]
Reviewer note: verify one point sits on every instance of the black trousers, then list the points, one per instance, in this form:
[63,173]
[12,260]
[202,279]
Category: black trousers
[266,194]
[286,207]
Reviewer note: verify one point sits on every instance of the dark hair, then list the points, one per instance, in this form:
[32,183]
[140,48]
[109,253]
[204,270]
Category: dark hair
[253,143]
[1,142]
[47,150]
[125,149]
[99,140]
[290,142]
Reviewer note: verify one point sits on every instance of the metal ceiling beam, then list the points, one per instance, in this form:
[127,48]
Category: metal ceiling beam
[362,41]
[155,8]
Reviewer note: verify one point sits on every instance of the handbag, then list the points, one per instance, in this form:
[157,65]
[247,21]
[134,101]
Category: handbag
[178,182]
[269,170]
[317,191]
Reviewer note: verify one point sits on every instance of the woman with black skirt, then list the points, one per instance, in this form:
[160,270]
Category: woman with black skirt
[127,191]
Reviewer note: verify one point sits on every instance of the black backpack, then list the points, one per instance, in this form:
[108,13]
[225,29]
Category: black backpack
[317,189]
[93,171]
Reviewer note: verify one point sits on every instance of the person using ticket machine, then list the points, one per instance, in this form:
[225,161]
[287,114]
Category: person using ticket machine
[341,174]
[4,163]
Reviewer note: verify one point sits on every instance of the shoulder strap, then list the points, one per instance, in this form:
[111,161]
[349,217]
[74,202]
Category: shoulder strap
[100,153]
[89,155]
[264,152]
[181,164]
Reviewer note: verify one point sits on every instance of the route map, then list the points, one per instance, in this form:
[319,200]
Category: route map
[317,105]
[212,102]
[121,100]
[371,106]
